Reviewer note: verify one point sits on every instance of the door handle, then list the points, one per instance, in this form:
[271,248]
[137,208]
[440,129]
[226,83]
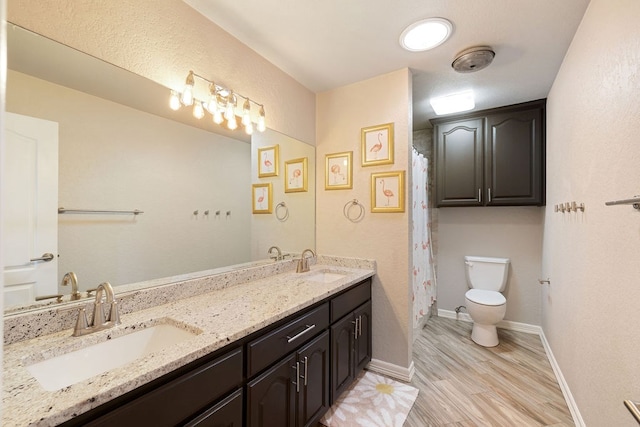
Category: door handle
[46,257]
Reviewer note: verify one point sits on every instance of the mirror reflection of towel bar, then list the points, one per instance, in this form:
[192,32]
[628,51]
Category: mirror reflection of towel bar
[92,211]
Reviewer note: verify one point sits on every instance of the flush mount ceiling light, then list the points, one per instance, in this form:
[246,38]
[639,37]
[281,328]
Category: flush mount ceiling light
[222,104]
[473,59]
[454,103]
[426,34]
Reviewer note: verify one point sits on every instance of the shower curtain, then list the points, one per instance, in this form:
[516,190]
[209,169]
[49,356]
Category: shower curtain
[424,281]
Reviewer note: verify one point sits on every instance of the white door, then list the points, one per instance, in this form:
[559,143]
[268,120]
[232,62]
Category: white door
[30,211]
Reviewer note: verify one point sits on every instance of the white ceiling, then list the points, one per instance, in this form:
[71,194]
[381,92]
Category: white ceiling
[325,44]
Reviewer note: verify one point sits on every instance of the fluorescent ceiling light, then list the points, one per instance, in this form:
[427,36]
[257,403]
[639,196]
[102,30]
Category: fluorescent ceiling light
[454,103]
[426,34]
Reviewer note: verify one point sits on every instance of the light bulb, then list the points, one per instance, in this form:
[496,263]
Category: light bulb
[261,121]
[212,105]
[174,101]
[231,107]
[246,113]
[198,111]
[187,93]
[217,116]
[248,128]
[232,123]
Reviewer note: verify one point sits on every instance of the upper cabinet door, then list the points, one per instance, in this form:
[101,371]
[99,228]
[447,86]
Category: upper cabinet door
[513,158]
[459,163]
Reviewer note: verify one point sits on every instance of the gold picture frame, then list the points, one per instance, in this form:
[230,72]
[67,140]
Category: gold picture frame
[295,175]
[338,171]
[268,161]
[387,191]
[262,198]
[377,145]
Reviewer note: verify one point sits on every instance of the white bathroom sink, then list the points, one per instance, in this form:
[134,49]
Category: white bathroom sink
[325,276]
[70,368]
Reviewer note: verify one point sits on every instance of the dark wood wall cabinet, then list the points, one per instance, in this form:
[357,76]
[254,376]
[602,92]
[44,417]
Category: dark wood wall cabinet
[287,374]
[491,158]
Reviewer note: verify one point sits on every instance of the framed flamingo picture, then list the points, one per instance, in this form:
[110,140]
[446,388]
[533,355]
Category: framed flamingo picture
[338,173]
[387,192]
[377,145]
[295,172]
[261,197]
[268,160]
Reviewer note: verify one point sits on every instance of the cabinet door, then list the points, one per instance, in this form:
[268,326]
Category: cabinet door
[271,396]
[342,352]
[459,163]
[227,413]
[514,158]
[313,397]
[363,337]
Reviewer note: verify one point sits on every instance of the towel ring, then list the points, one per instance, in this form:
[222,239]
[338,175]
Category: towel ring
[347,211]
[282,207]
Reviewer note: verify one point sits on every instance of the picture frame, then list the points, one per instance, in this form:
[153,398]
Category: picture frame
[295,173]
[338,171]
[268,161]
[377,145]
[262,198]
[387,191]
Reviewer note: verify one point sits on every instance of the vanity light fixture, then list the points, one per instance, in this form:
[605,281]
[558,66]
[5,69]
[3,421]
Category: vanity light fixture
[454,103]
[221,103]
[426,34]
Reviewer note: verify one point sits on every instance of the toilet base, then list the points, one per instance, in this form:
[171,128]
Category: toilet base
[485,335]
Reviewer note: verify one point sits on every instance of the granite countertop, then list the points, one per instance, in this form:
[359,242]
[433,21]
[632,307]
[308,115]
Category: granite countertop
[219,318]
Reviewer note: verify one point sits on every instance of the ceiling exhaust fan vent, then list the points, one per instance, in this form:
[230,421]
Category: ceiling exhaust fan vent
[473,59]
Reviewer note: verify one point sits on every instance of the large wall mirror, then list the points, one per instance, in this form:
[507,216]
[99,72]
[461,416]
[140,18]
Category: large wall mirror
[120,148]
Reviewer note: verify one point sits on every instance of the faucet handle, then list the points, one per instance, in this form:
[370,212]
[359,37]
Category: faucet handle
[81,323]
[114,313]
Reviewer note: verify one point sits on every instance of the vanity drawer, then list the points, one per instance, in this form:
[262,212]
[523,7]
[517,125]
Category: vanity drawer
[273,345]
[347,302]
[172,403]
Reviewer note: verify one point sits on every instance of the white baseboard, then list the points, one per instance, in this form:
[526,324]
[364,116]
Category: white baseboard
[531,329]
[391,370]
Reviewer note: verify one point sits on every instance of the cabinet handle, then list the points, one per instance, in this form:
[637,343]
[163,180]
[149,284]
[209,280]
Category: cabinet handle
[359,326]
[355,328]
[296,336]
[479,195]
[305,370]
[297,382]
[489,191]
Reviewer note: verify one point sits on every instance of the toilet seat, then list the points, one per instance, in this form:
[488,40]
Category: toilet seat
[483,297]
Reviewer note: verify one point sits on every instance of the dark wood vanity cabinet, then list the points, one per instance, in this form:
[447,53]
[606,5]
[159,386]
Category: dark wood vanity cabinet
[491,158]
[350,337]
[283,375]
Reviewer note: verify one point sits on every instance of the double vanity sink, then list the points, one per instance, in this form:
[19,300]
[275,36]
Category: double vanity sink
[61,376]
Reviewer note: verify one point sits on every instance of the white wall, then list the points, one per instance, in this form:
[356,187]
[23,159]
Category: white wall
[510,232]
[590,310]
[116,158]
[342,113]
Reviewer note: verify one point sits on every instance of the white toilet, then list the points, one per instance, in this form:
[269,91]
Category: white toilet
[487,278]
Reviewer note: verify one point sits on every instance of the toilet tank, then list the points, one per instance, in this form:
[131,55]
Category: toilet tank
[486,273]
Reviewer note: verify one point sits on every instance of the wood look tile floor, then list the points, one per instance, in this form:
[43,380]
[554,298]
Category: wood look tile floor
[463,384]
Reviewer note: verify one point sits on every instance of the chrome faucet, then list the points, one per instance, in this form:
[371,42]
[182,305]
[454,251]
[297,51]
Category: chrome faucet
[100,320]
[278,256]
[303,262]
[71,277]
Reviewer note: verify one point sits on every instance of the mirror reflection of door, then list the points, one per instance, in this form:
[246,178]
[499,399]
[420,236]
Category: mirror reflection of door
[30,212]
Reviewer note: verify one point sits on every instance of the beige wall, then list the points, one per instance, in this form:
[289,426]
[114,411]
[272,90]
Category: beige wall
[511,232]
[591,309]
[163,40]
[381,236]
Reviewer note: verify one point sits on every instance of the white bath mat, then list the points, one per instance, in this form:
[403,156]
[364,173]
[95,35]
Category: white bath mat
[372,401]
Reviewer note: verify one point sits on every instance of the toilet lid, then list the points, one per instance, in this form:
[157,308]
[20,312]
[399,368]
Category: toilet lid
[480,296]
